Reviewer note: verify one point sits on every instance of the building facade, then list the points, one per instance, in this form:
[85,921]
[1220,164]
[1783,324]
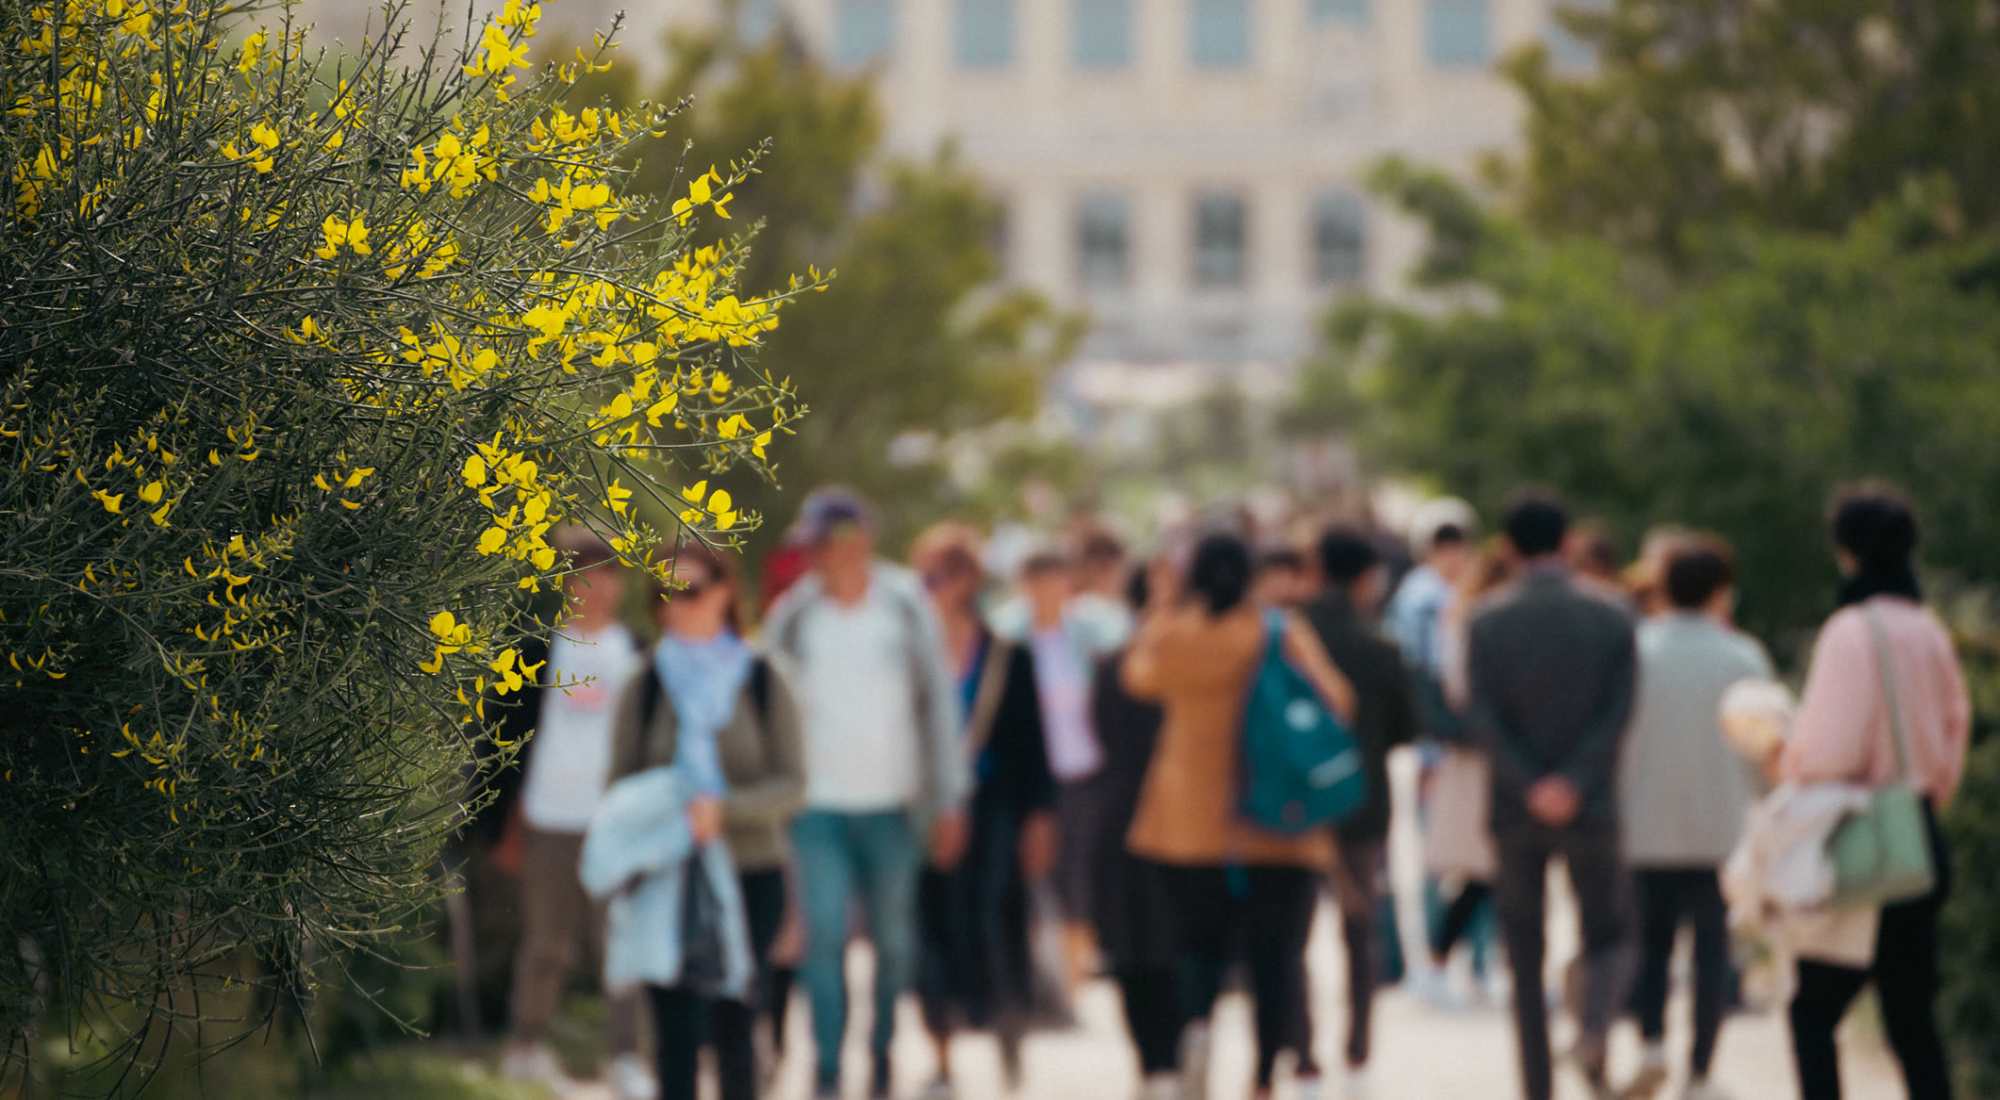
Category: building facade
[1189,171]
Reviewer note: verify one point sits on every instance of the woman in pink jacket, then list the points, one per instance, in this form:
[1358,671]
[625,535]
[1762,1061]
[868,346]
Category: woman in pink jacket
[1844,734]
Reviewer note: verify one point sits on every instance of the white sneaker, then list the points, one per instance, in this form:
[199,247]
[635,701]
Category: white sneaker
[535,1063]
[631,1079]
[1309,1088]
[1433,987]
[1359,1084]
[940,1088]
[1196,1046]
[1704,1090]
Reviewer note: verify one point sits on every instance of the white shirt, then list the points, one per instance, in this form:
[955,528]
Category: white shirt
[861,741]
[1062,681]
[570,758]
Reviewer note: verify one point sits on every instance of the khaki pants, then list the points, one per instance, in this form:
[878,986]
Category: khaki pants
[555,916]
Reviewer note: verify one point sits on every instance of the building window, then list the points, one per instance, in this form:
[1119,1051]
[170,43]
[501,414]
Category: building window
[1104,241]
[1339,238]
[1457,33]
[985,33]
[756,20]
[1100,33]
[1219,33]
[1352,12]
[1565,48]
[864,31]
[1221,233]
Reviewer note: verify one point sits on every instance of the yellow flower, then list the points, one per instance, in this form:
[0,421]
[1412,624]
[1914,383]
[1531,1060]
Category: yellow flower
[152,491]
[113,502]
[251,46]
[491,540]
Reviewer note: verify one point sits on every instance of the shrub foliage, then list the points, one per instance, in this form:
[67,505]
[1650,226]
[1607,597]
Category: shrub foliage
[302,360]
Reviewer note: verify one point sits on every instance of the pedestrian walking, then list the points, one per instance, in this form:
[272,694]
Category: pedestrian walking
[1229,884]
[726,717]
[1458,837]
[1385,717]
[975,963]
[886,775]
[1683,797]
[1419,620]
[1552,669]
[1133,931]
[1065,646]
[1885,704]
[591,659]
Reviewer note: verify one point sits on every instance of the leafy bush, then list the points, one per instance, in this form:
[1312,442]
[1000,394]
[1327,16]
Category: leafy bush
[1972,923]
[302,360]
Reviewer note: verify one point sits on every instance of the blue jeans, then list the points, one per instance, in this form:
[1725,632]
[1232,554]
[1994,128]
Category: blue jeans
[842,856]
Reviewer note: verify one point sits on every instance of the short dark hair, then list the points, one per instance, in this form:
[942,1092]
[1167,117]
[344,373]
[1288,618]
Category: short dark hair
[1874,522]
[1101,547]
[1345,553]
[1043,562]
[1219,574]
[830,510]
[1449,534]
[1536,522]
[1697,569]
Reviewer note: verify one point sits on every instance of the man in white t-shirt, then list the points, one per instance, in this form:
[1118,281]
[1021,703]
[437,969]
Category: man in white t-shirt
[886,776]
[591,659]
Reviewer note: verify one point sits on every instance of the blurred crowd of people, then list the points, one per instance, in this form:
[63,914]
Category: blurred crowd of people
[1014,777]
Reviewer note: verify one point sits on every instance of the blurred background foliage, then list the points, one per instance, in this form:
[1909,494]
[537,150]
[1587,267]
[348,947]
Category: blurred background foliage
[915,347]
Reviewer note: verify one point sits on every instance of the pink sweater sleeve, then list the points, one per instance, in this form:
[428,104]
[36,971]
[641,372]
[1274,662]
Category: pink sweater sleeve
[1831,741]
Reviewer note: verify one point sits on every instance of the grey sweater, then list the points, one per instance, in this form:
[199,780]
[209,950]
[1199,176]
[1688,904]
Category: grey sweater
[1683,791]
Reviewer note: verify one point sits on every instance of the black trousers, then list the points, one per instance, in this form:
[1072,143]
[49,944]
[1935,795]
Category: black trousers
[1357,888]
[1152,998]
[682,1018]
[1905,973]
[1268,912]
[1458,917]
[1603,896]
[1668,898]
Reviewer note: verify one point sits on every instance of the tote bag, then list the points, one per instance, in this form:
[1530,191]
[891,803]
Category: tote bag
[1883,854]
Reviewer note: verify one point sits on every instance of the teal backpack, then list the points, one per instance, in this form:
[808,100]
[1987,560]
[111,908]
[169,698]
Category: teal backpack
[1301,767]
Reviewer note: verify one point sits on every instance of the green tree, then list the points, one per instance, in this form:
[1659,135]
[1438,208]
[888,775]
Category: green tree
[1792,114]
[912,335]
[1734,402]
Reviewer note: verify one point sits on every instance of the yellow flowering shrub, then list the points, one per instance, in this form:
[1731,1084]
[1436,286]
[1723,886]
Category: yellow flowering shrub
[302,360]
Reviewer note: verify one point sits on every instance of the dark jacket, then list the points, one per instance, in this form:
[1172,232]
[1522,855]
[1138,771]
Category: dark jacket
[762,757]
[1127,911]
[1385,707]
[1553,671]
[1004,737]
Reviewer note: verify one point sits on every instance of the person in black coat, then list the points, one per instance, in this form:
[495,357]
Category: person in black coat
[1131,930]
[974,963]
[1385,717]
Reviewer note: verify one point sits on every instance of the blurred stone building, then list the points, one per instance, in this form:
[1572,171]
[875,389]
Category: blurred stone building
[1188,170]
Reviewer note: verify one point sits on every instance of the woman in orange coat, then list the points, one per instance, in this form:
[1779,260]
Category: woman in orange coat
[1230,885]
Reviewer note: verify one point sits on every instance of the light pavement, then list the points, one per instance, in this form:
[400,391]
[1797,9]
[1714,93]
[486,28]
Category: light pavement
[1421,1053]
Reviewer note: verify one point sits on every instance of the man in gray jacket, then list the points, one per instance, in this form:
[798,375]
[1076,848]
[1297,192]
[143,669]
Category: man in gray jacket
[885,774]
[1552,670]
[1683,795]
